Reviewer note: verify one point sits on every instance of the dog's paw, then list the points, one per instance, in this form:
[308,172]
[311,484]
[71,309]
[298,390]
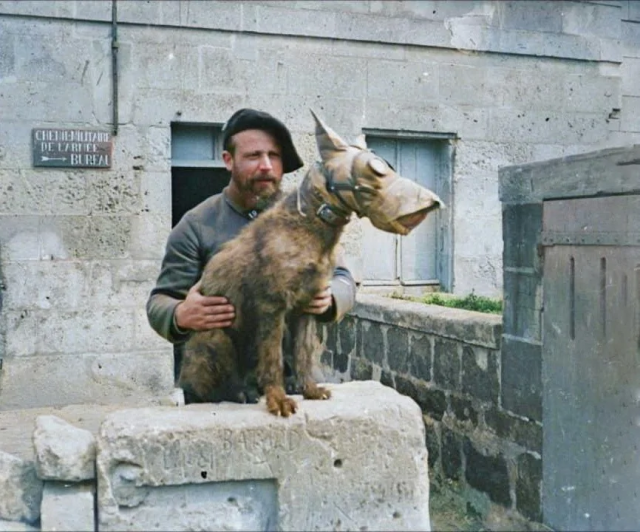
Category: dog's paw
[313,391]
[292,386]
[278,403]
[247,396]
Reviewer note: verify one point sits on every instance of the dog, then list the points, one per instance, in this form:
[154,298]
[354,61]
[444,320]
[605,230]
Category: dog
[278,263]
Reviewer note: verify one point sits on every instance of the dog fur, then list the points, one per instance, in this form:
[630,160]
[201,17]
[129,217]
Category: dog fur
[278,263]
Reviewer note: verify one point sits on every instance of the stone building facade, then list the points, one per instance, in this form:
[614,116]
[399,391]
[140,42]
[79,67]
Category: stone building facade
[470,85]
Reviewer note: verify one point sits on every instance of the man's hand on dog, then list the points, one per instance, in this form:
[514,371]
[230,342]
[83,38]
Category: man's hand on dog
[321,303]
[200,313]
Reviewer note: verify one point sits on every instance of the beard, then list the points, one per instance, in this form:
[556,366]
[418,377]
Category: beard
[262,187]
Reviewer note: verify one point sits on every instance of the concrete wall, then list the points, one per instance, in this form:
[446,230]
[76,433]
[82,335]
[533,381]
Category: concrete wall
[79,250]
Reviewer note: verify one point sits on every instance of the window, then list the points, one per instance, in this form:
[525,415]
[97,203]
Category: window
[197,169]
[424,257]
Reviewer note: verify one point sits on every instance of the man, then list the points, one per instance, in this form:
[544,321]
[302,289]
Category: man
[258,150]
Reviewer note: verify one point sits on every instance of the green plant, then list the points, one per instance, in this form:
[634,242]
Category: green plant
[470,302]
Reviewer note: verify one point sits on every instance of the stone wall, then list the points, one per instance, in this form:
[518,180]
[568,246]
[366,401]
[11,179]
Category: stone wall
[451,363]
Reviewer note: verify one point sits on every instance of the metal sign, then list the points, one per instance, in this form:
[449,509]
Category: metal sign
[73,148]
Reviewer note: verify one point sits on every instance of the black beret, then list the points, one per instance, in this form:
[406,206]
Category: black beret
[252,119]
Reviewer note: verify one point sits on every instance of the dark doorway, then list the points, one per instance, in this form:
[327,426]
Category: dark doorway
[190,186]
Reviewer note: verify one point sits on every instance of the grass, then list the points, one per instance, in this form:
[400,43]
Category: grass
[472,301]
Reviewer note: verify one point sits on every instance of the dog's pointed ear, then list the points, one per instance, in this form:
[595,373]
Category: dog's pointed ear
[327,139]
[360,142]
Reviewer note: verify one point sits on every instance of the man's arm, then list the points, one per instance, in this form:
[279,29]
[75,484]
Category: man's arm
[342,290]
[181,269]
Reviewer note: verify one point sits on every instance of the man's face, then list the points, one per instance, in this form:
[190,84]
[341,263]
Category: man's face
[255,166]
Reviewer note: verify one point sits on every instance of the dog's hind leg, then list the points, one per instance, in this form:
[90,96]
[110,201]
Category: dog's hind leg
[209,372]
[268,342]
[305,347]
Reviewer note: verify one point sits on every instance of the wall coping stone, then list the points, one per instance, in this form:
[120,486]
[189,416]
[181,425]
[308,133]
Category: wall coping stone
[601,172]
[475,328]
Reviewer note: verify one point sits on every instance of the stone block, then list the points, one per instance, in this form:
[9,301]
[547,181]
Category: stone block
[487,473]
[20,489]
[521,371]
[284,20]
[63,451]
[528,486]
[68,507]
[480,373]
[17,526]
[521,228]
[523,304]
[97,378]
[399,30]
[584,93]
[215,466]
[597,173]
[451,454]
[371,344]
[420,356]
[464,84]
[528,434]
[92,237]
[386,378]
[398,349]
[591,20]
[464,410]
[446,364]
[432,401]
[533,16]
[413,81]
[433,441]
[361,369]
[20,237]
[630,113]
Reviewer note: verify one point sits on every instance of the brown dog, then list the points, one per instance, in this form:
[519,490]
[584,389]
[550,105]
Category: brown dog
[275,266]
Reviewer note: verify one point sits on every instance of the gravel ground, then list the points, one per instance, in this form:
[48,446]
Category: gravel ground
[451,513]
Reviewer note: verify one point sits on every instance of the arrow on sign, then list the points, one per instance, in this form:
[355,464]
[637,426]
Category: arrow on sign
[45,158]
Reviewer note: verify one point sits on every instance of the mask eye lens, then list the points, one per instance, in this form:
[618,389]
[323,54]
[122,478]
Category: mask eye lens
[378,166]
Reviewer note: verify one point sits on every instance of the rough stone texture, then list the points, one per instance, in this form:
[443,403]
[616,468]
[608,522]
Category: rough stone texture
[446,364]
[372,342]
[20,489]
[361,369]
[480,373]
[586,174]
[471,327]
[528,434]
[357,460]
[16,526]
[521,378]
[451,454]
[63,451]
[464,410]
[420,356]
[487,473]
[98,378]
[68,507]
[528,486]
